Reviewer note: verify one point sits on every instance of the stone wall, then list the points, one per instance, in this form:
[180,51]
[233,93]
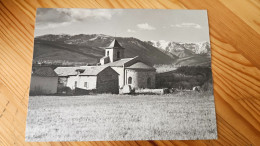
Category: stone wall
[91,82]
[43,85]
[104,60]
[115,58]
[120,71]
[140,78]
[107,81]
[113,54]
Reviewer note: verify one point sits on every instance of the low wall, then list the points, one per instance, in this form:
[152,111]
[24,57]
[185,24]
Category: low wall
[152,91]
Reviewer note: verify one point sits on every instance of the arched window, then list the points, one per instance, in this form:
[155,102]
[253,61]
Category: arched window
[149,82]
[118,54]
[107,53]
[130,80]
[76,84]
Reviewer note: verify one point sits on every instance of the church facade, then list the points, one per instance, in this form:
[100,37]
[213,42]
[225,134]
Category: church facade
[132,71]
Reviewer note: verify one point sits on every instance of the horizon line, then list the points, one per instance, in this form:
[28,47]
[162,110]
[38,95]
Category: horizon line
[119,37]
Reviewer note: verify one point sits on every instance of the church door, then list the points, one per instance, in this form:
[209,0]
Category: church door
[118,55]
[149,82]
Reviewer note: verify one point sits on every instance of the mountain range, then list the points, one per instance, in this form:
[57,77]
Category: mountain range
[90,48]
[177,48]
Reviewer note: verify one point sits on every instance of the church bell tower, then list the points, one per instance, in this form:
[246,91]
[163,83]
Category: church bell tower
[114,51]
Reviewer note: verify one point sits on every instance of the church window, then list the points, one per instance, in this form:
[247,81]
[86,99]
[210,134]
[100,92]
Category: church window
[86,84]
[76,84]
[130,80]
[149,82]
[107,53]
[118,54]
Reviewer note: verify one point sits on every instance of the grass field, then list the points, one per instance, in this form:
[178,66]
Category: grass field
[121,117]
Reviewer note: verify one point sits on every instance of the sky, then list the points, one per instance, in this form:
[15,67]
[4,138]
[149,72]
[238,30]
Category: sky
[144,24]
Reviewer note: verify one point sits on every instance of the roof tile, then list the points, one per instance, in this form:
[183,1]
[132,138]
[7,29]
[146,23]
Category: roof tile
[86,70]
[114,44]
[119,63]
[141,65]
[43,72]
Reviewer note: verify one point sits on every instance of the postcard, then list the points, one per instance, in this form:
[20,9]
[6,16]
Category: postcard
[121,74]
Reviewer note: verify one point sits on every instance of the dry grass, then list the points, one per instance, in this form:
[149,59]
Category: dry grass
[121,117]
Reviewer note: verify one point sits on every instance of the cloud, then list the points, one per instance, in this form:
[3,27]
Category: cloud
[53,25]
[51,18]
[145,26]
[81,14]
[187,25]
[131,31]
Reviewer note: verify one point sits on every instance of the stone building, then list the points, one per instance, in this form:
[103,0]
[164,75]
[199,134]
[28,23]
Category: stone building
[132,71]
[101,79]
[43,81]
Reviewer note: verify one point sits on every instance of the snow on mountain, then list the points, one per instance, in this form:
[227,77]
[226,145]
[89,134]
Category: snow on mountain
[170,46]
[92,39]
[161,44]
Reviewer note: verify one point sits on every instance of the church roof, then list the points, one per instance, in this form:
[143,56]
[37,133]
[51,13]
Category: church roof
[114,44]
[104,57]
[84,70]
[93,70]
[119,63]
[66,71]
[43,72]
[141,65]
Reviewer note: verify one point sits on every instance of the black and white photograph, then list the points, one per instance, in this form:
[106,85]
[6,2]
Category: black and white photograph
[121,74]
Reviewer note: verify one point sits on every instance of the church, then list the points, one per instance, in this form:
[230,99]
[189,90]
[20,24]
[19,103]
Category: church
[132,71]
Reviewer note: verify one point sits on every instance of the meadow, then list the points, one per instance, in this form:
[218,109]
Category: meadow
[184,115]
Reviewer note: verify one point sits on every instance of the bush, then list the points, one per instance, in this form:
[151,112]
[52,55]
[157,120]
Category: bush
[207,86]
[65,90]
[184,77]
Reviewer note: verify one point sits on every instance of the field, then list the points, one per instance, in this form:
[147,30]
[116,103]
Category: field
[121,117]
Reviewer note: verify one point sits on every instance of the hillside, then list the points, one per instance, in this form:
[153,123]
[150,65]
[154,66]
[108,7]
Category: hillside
[88,48]
[194,60]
